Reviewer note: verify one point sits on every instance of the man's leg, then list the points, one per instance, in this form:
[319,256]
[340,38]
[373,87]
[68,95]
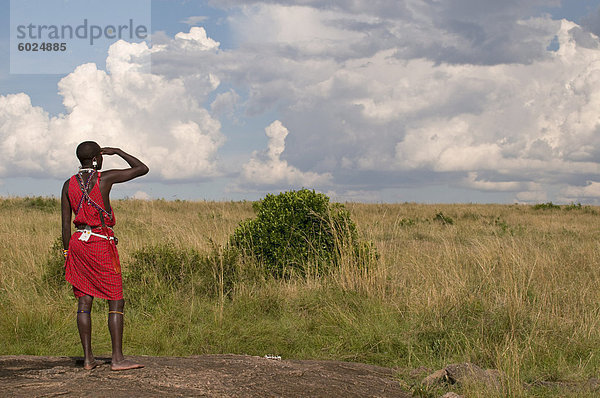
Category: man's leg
[115,326]
[84,324]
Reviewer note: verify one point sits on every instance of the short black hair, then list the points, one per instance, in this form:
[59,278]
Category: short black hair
[87,150]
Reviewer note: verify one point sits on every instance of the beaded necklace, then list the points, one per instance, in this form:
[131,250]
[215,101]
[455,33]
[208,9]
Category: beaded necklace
[86,194]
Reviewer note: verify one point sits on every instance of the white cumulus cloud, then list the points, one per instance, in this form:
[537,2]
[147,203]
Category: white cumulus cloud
[141,195]
[267,169]
[196,39]
[472,181]
[194,19]
[377,94]
[579,193]
[532,197]
[148,115]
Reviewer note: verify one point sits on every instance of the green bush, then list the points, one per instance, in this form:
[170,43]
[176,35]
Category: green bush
[163,264]
[298,233]
[546,206]
[162,269]
[47,205]
[441,218]
[573,206]
[53,274]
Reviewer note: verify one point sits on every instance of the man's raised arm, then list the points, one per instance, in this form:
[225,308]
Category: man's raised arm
[137,168]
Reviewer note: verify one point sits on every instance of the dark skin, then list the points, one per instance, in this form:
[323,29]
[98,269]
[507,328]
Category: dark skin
[115,320]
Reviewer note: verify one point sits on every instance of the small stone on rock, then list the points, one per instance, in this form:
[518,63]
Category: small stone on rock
[451,395]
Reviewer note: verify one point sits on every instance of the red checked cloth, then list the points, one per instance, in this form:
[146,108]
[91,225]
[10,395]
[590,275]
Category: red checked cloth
[89,264]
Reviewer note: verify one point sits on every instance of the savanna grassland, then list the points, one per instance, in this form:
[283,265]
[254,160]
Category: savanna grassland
[509,287]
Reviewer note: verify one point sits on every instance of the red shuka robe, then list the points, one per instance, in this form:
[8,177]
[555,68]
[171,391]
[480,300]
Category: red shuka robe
[90,265]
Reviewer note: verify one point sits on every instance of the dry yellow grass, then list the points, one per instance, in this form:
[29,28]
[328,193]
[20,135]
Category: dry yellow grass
[505,286]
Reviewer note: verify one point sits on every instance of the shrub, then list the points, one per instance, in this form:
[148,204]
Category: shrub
[54,267]
[47,205]
[441,218]
[546,206]
[299,232]
[164,264]
[503,225]
[406,222]
[573,206]
[222,262]
[160,269]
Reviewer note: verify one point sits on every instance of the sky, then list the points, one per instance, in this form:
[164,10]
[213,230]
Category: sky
[459,101]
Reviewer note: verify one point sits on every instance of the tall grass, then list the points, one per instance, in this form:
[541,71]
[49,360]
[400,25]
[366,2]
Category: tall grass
[516,288]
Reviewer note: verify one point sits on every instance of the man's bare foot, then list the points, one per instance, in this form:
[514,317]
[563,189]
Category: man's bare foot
[90,365]
[125,365]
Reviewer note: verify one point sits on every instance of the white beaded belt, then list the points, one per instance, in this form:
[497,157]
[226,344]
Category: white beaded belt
[87,232]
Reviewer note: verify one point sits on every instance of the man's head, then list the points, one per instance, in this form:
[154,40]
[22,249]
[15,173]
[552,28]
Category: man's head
[89,152]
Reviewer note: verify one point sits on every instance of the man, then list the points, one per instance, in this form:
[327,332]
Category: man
[92,261]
